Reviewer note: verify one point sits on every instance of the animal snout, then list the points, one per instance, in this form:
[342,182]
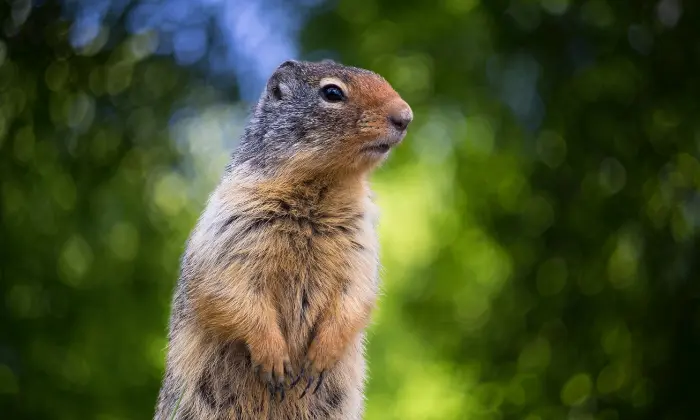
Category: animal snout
[400,115]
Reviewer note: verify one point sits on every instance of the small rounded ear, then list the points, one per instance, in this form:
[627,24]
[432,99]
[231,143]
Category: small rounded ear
[278,89]
[288,64]
[281,83]
[328,61]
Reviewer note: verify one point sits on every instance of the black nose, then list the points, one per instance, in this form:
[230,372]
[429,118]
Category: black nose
[400,121]
[401,118]
[400,114]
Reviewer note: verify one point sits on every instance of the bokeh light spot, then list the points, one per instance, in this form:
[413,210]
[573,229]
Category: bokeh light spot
[75,261]
[459,7]
[169,194]
[611,378]
[80,110]
[123,240]
[577,389]
[612,176]
[56,75]
[555,7]
[616,339]
[118,77]
[535,356]
[623,263]
[551,148]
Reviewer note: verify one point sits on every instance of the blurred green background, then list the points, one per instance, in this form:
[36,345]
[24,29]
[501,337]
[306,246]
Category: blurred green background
[539,224]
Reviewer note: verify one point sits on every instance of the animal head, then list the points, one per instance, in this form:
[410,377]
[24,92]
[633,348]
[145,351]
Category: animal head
[324,116]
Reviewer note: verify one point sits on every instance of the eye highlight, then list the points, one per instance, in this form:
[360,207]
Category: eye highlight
[332,93]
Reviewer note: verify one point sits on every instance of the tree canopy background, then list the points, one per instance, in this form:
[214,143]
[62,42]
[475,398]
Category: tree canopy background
[539,223]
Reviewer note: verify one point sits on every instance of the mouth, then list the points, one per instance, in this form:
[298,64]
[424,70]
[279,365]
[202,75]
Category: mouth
[381,147]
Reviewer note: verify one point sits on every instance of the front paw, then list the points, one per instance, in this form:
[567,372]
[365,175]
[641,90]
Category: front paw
[272,365]
[321,356]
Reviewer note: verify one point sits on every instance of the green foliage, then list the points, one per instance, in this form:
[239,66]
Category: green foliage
[538,224]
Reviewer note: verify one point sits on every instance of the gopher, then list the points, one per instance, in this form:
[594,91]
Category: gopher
[280,274]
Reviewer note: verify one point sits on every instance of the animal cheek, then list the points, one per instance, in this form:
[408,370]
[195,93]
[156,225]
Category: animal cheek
[368,122]
[370,127]
[372,131]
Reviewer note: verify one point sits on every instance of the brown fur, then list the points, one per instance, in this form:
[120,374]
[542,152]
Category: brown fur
[280,274]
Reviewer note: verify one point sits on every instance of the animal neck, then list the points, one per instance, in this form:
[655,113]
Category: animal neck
[304,189]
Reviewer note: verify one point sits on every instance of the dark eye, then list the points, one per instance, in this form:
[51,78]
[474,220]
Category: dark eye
[332,93]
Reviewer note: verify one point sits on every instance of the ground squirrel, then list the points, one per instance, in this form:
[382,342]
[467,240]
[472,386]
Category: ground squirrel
[279,276]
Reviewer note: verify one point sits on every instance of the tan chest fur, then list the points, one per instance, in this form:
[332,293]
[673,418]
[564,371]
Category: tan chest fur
[272,259]
[302,245]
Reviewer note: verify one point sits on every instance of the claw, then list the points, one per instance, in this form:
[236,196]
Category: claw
[320,381]
[309,381]
[275,381]
[296,381]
